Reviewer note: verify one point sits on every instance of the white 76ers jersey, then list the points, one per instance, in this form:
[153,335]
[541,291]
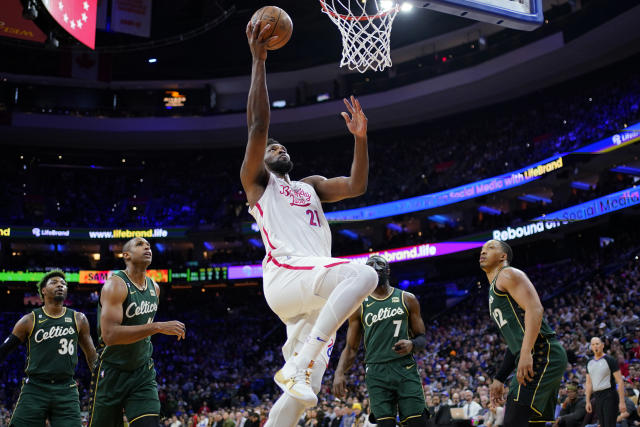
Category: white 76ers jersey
[291,220]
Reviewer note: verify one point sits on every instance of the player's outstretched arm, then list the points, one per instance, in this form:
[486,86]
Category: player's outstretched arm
[21,331]
[339,188]
[85,341]
[253,174]
[348,355]
[518,285]
[113,294]
[416,324]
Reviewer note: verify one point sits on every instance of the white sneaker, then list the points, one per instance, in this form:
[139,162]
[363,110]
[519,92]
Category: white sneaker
[296,383]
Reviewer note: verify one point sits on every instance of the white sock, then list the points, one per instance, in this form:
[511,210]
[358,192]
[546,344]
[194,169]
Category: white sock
[286,412]
[344,287]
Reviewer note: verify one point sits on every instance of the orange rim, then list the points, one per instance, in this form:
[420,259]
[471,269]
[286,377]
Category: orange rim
[357,18]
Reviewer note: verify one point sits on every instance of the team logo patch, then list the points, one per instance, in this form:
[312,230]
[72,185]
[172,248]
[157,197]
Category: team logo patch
[395,299]
[102,374]
[153,292]
[67,319]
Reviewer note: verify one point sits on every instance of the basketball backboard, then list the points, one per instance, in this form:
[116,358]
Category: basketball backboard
[517,14]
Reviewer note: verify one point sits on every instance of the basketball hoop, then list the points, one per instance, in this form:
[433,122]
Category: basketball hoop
[365,26]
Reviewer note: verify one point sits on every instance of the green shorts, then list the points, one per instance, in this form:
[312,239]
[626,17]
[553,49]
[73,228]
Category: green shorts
[117,393]
[42,400]
[394,388]
[541,394]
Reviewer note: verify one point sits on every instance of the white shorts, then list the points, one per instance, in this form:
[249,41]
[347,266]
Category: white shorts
[291,288]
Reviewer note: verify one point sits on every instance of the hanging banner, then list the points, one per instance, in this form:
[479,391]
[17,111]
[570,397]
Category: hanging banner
[77,17]
[12,24]
[131,17]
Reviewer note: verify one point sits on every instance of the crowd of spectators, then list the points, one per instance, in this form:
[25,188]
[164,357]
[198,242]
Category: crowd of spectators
[227,375]
[201,190]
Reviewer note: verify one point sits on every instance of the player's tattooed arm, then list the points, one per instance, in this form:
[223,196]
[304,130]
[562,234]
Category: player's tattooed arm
[21,331]
[416,324]
[85,341]
[348,355]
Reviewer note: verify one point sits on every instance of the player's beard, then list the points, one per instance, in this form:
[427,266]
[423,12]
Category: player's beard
[59,298]
[281,167]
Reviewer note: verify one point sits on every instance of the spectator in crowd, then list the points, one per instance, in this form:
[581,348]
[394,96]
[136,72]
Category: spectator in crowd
[470,407]
[572,410]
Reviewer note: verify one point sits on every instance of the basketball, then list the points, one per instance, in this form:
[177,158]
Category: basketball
[281,25]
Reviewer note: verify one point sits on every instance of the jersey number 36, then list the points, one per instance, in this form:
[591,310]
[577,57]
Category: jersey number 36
[66,346]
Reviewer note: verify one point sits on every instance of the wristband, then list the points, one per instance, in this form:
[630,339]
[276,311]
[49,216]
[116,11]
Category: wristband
[419,342]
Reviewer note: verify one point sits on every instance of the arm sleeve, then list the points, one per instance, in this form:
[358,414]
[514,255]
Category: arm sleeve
[508,363]
[8,345]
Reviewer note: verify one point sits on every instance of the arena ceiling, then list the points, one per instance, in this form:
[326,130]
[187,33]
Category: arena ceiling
[218,51]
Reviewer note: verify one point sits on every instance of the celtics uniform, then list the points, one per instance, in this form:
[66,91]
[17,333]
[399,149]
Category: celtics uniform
[49,390]
[393,380]
[549,357]
[125,377]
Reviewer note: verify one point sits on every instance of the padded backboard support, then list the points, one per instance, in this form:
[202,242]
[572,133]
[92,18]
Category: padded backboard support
[517,14]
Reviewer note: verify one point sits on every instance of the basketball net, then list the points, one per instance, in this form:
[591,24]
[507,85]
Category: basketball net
[365,26]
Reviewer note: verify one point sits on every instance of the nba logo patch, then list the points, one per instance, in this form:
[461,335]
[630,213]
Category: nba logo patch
[395,299]
[153,292]
[330,347]
[67,319]
[102,374]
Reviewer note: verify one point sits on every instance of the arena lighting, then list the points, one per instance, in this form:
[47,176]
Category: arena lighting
[256,243]
[532,198]
[578,185]
[30,10]
[627,170]
[280,103]
[489,210]
[323,97]
[406,7]
[386,5]
[395,227]
[350,234]
[407,253]
[485,186]
[152,60]
[583,211]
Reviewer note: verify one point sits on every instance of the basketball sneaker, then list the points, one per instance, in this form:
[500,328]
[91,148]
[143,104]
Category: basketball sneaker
[296,382]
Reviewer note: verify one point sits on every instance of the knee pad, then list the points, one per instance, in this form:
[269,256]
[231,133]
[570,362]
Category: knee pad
[146,421]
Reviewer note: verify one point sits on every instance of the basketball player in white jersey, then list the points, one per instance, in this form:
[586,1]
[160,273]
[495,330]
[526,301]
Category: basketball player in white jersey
[311,292]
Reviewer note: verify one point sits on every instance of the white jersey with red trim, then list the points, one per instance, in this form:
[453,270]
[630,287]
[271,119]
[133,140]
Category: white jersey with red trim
[291,220]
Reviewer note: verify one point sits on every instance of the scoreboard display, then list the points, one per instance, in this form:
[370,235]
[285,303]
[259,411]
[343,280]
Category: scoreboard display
[202,274]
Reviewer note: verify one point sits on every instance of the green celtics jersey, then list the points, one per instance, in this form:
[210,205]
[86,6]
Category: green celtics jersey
[385,322]
[138,308]
[510,318]
[52,345]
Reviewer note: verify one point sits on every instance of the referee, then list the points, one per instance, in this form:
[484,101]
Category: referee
[602,372]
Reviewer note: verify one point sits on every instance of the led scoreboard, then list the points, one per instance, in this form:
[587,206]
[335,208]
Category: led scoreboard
[202,274]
